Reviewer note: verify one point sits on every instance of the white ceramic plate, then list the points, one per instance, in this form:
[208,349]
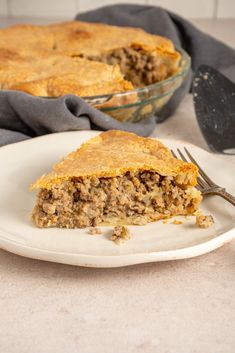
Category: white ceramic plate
[22,163]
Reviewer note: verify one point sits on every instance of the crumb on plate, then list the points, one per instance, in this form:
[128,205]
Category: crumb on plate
[94,231]
[120,235]
[177,222]
[203,221]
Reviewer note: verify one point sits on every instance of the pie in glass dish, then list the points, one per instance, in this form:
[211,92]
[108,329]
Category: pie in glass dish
[83,58]
[116,178]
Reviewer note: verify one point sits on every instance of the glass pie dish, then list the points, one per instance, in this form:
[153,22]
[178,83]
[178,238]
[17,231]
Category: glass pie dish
[138,104]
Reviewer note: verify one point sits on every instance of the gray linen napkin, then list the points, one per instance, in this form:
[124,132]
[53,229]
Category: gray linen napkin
[23,116]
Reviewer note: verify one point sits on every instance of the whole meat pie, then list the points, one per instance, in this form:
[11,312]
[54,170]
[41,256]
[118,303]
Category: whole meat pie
[116,178]
[82,58]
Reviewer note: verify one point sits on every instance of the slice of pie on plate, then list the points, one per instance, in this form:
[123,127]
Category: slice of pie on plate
[116,178]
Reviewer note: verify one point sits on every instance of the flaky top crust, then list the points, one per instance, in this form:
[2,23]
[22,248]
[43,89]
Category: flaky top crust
[55,75]
[79,37]
[113,153]
[75,38]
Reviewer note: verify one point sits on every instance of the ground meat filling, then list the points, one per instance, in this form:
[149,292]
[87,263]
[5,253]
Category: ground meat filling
[139,197]
[138,66]
[120,235]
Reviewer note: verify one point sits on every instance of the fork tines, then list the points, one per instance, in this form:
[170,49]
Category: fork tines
[204,181]
[205,184]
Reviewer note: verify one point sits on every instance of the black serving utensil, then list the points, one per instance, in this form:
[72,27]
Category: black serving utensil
[214,103]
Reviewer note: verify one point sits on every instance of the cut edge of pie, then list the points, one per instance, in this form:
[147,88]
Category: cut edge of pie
[116,178]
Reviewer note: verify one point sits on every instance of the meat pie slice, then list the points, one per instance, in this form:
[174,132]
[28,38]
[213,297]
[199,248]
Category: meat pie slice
[116,178]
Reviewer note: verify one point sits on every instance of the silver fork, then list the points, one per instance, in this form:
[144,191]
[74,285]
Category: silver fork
[205,184]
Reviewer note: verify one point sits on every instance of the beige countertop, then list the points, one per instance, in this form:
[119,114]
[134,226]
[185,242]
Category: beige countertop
[171,307]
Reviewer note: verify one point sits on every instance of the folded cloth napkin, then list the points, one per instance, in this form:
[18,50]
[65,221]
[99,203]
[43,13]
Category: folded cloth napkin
[23,116]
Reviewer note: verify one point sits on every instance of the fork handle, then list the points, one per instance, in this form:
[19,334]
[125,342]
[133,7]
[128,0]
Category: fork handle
[230,198]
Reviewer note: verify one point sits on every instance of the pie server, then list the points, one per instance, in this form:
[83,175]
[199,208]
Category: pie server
[214,103]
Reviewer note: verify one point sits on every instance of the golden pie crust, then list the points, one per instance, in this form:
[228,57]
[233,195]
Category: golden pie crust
[114,153]
[56,75]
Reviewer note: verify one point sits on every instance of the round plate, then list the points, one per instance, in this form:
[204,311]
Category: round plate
[23,162]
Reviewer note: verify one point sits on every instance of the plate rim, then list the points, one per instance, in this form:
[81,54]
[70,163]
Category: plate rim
[110,261]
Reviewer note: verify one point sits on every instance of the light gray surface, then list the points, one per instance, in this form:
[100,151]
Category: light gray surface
[179,307]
